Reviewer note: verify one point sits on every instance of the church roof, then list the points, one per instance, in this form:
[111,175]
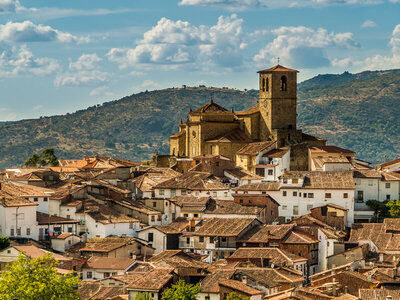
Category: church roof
[255,148]
[210,107]
[236,135]
[277,68]
[251,110]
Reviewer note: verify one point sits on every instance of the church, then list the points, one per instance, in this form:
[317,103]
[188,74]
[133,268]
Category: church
[212,129]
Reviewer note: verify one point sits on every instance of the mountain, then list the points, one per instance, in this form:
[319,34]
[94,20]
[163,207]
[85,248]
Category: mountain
[355,111]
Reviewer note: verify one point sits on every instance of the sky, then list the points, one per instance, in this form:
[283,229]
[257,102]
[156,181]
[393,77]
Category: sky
[62,56]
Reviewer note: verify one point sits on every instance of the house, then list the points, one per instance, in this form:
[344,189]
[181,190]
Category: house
[329,158]
[217,237]
[37,177]
[164,237]
[298,192]
[371,184]
[267,257]
[113,246]
[90,289]
[389,166]
[189,268]
[64,241]
[154,283]
[250,156]
[348,256]
[36,194]
[49,226]
[382,237]
[286,237]
[212,163]
[11,253]
[201,184]
[101,221]
[239,176]
[191,206]
[17,216]
[102,267]
[146,180]
[137,209]
[232,209]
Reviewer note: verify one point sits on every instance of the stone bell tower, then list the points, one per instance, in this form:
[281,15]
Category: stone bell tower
[278,105]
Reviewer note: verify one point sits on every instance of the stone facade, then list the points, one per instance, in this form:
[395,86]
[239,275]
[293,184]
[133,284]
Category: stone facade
[212,129]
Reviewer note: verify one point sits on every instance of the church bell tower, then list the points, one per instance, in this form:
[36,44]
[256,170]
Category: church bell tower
[278,104]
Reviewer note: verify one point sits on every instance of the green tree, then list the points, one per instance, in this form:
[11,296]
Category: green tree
[181,291]
[46,158]
[143,296]
[33,161]
[4,242]
[234,296]
[381,210]
[394,208]
[37,279]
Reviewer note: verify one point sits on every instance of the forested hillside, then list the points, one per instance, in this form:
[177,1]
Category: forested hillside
[356,111]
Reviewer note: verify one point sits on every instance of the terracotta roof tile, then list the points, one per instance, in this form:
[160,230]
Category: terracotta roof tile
[251,110]
[210,107]
[277,68]
[224,207]
[243,174]
[323,180]
[240,286]
[109,263]
[224,227]
[194,181]
[254,148]
[235,136]
[154,280]
[44,219]
[275,255]
[279,153]
[260,186]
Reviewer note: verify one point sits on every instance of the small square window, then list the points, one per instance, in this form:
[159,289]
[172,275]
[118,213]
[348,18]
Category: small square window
[284,207]
[162,192]
[328,195]
[294,194]
[345,195]
[310,195]
[45,199]
[387,185]
[284,193]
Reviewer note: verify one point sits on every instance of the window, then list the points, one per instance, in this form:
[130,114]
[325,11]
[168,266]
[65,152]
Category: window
[294,194]
[295,210]
[187,240]
[284,180]
[241,201]
[360,196]
[153,218]
[45,199]
[183,192]
[387,197]
[299,194]
[106,274]
[345,195]
[225,194]
[28,231]
[310,195]
[201,239]
[304,195]
[186,215]
[150,237]
[309,206]
[328,195]
[130,225]
[217,163]
[161,192]
[69,229]
[295,181]
[159,218]
[18,231]
[207,298]
[195,215]
[270,172]
[284,207]
[284,193]
[68,216]
[214,194]
[89,275]
[166,203]
[154,204]
[263,84]
[387,185]
[266,84]
[35,199]
[283,83]
[223,239]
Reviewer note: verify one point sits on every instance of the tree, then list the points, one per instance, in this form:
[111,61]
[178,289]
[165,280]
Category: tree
[4,242]
[143,296]
[381,210]
[37,279]
[234,296]
[46,158]
[394,208]
[182,291]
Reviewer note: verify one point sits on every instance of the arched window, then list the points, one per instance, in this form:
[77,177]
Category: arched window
[263,84]
[266,84]
[283,83]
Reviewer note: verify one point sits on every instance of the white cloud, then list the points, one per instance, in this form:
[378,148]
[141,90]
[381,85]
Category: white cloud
[9,6]
[368,24]
[101,91]
[15,62]
[29,32]
[37,107]
[273,4]
[178,43]
[303,47]
[83,72]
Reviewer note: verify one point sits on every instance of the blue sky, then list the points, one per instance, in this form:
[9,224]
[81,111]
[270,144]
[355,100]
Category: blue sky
[61,56]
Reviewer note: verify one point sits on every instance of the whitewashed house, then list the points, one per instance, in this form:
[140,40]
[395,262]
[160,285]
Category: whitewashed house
[97,267]
[299,191]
